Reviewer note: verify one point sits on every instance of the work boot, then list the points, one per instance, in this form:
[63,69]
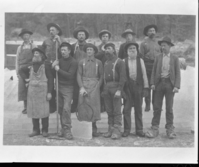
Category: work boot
[45,134]
[24,111]
[116,133]
[140,133]
[147,108]
[61,134]
[34,133]
[171,134]
[125,134]
[152,133]
[109,133]
[68,134]
[94,130]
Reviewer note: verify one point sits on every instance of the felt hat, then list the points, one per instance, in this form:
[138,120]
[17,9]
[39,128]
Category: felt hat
[104,32]
[167,40]
[66,44]
[25,31]
[109,44]
[148,27]
[78,29]
[91,46]
[129,44]
[40,49]
[127,31]
[56,26]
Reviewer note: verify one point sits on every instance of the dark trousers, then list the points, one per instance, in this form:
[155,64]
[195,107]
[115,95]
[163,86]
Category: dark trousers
[163,89]
[75,98]
[136,97]
[65,98]
[113,105]
[36,126]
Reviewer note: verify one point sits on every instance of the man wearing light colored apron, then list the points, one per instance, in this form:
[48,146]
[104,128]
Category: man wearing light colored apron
[90,78]
[39,91]
[24,58]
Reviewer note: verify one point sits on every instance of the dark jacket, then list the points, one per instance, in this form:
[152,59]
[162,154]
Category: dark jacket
[174,71]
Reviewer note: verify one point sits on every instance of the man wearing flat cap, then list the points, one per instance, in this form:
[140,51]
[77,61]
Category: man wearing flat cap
[49,46]
[90,78]
[40,85]
[165,80]
[104,36]
[24,58]
[129,36]
[114,79]
[66,68]
[135,88]
[149,49]
[81,34]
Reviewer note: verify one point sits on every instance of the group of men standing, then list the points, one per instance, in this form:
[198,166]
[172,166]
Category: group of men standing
[93,79]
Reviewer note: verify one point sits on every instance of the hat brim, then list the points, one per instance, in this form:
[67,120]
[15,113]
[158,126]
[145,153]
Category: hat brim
[148,27]
[104,32]
[90,46]
[39,50]
[76,32]
[171,44]
[125,33]
[56,26]
[129,44]
[25,32]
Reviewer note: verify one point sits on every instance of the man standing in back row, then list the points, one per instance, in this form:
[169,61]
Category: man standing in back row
[149,49]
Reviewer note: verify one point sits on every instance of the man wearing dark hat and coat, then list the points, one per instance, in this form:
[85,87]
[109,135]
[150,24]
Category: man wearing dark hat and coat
[24,58]
[135,89]
[81,34]
[165,80]
[66,68]
[104,36]
[129,36]
[114,79]
[90,78]
[49,46]
[39,91]
[149,49]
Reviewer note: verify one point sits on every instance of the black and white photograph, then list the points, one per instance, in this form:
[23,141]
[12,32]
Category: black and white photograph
[99,81]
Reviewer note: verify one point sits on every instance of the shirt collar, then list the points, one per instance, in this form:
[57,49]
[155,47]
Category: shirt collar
[168,55]
[90,58]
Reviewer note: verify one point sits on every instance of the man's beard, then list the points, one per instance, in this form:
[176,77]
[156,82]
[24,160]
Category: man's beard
[109,55]
[36,60]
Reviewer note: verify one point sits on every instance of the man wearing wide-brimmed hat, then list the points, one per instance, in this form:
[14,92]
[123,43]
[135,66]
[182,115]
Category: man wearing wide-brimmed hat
[51,46]
[135,88]
[149,49]
[165,80]
[104,36]
[66,68]
[114,79]
[40,84]
[129,36]
[90,78]
[24,58]
[81,34]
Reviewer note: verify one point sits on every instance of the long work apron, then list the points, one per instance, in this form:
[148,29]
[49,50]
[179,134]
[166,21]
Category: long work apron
[89,106]
[37,106]
[25,57]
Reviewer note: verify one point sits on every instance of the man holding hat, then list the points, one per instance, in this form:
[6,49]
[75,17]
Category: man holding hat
[104,36]
[39,91]
[81,34]
[66,68]
[49,46]
[149,49]
[114,79]
[90,78]
[129,36]
[24,58]
[165,80]
[135,88]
